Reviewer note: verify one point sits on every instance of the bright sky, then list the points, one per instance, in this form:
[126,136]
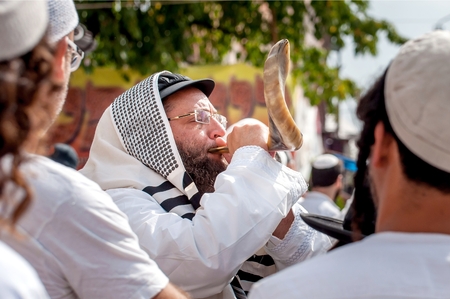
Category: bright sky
[411,19]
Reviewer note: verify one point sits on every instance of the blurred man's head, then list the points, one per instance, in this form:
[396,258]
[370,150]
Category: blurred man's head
[326,175]
[63,19]
[25,71]
[405,137]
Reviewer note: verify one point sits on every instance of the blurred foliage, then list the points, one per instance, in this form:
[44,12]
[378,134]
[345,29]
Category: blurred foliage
[152,36]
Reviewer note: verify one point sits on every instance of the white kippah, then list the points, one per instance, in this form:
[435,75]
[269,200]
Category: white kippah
[325,161]
[63,19]
[22,26]
[417,95]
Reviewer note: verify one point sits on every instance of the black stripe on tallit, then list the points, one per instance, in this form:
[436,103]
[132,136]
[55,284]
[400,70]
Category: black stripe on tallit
[195,199]
[237,289]
[170,203]
[265,260]
[161,188]
[248,276]
[188,216]
[187,180]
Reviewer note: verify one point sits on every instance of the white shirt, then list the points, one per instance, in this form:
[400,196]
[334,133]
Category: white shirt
[18,280]
[78,241]
[204,254]
[318,203]
[383,265]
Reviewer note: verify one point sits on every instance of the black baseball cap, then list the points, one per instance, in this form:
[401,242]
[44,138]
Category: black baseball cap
[169,83]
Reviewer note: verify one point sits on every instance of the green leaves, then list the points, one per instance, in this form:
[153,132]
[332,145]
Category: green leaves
[170,34]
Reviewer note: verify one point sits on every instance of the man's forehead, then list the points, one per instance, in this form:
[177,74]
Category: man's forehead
[189,99]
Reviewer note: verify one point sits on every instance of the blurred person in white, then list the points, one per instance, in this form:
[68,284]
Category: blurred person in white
[326,184]
[18,280]
[203,217]
[404,148]
[72,233]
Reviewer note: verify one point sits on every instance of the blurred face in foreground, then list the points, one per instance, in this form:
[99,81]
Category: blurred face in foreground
[193,139]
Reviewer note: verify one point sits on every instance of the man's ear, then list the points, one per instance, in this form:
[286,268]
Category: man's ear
[59,72]
[381,147]
[339,180]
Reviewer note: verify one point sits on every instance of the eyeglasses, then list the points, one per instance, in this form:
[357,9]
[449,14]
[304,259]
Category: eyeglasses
[77,55]
[204,117]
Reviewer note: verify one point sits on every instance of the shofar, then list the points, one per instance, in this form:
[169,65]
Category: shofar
[284,135]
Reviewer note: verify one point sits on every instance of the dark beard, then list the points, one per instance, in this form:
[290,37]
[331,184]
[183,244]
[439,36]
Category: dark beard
[201,169]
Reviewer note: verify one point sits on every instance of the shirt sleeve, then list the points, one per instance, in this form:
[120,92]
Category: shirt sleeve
[96,250]
[300,243]
[201,256]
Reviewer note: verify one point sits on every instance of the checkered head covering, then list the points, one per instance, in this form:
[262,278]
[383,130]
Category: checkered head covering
[134,147]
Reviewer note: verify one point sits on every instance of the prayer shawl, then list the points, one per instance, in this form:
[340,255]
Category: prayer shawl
[141,122]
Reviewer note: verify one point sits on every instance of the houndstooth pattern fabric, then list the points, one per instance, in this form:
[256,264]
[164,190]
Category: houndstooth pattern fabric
[147,141]
[146,135]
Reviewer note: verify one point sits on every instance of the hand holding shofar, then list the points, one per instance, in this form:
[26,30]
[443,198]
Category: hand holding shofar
[284,135]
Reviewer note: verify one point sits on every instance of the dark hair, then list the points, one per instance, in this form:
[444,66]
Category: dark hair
[325,177]
[21,81]
[371,110]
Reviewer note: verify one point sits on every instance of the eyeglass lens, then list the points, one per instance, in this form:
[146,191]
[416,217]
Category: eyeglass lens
[204,117]
[77,55]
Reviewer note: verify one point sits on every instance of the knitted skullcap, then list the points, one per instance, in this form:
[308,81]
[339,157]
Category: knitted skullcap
[325,161]
[63,19]
[417,95]
[22,26]
[325,170]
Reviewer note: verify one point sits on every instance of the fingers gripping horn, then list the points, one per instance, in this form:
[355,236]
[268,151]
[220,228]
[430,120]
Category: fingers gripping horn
[284,135]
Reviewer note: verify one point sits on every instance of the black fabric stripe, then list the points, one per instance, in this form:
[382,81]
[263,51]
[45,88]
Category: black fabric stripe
[248,276]
[170,203]
[161,188]
[237,289]
[265,260]
[188,216]
[195,200]
[187,180]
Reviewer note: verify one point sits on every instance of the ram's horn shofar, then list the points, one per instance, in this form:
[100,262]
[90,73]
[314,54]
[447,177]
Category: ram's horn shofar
[284,135]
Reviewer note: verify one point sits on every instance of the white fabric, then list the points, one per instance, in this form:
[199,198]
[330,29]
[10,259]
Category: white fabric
[63,19]
[22,26]
[202,255]
[383,265]
[318,203]
[18,280]
[78,241]
[416,94]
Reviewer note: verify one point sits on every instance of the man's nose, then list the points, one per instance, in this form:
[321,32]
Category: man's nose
[217,130]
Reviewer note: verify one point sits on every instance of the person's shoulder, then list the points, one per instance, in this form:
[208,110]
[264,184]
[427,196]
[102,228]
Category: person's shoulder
[57,187]
[51,176]
[15,271]
[314,276]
